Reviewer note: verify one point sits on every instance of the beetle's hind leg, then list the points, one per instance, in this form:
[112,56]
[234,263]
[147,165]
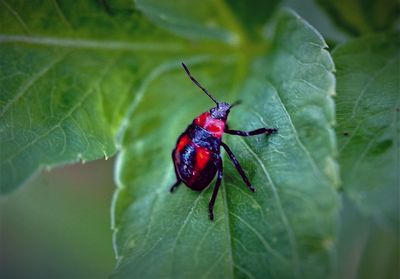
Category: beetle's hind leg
[267,131]
[238,167]
[173,187]
[177,183]
[178,180]
[216,187]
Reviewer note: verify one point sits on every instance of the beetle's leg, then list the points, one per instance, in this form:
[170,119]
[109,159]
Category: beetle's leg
[216,187]
[238,167]
[173,187]
[178,181]
[267,131]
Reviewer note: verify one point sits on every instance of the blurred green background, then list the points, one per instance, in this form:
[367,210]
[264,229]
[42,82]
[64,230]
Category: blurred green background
[59,226]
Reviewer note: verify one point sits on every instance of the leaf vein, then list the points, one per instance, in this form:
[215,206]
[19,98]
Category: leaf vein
[316,169]
[23,89]
[245,193]
[58,124]
[185,222]
[17,16]
[196,254]
[245,271]
[61,13]
[372,79]
[228,229]
[265,243]
[214,265]
[282,213]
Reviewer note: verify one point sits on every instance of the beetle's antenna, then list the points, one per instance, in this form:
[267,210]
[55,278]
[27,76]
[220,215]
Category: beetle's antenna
[198,84]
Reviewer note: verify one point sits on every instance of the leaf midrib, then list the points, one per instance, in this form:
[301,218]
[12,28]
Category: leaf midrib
[183,47]
[282,213]
[81,43]
[153,75]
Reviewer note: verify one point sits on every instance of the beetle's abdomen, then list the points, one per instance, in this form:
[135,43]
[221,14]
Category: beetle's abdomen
[196,156]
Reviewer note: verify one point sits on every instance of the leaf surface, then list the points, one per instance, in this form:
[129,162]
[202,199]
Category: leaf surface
[67,79]
[230,21]
[368,122]
[284,230]
[76,84]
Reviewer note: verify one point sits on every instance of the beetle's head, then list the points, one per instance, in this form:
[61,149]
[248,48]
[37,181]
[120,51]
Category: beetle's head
[222,110]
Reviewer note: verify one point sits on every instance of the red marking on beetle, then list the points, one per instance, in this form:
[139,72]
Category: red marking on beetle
[202,118]
[214,126]
[182,143]
[202,158]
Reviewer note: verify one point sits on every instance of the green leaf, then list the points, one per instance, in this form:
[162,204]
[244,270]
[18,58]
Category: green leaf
[213,20]
[208,20]
[287,228]
[362,16]
[67,78]
[368,122]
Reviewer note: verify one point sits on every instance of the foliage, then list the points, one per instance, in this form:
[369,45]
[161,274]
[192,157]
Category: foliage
[289,87]
[368,127]
[368,138]
[78,86]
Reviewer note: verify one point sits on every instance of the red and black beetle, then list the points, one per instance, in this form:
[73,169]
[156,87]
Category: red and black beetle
[197,156]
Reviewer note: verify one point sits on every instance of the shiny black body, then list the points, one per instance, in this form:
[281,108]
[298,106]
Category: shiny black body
[199,139]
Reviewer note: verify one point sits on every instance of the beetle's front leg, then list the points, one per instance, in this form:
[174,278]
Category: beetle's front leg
[267,131]
[237,165]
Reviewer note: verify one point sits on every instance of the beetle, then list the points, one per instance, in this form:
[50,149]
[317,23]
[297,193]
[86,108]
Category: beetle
[197,154]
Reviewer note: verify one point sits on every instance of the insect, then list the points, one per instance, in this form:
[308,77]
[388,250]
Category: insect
[197,155]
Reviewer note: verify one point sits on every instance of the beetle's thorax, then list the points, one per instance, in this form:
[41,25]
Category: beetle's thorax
[214,120]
